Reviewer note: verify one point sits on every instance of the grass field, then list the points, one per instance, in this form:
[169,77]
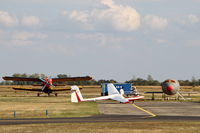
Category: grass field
[116,127]
[28,105]
[35,107]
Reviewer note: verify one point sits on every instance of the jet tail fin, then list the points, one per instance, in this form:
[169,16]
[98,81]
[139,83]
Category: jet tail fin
[76,95]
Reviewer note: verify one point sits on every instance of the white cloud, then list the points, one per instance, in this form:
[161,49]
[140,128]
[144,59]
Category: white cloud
[155,22]
[7,20]
[30,20]
[161,41]
[22,36]
[79,16]
[26,38]
[193,19]
[99,40]
[121,18]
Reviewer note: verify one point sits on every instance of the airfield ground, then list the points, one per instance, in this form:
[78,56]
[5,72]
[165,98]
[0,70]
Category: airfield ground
[171,115]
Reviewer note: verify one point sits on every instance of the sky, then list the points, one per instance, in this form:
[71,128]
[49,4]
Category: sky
[106,39]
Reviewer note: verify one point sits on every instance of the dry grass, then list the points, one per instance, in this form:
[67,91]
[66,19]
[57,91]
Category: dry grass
[29,105]
[34,107]
[118,127]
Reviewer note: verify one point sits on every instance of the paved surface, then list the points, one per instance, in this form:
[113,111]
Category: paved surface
[172,108]
[157,108]
[115,112]
[115,108]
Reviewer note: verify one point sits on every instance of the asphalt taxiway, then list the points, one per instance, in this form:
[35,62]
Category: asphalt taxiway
[152,108]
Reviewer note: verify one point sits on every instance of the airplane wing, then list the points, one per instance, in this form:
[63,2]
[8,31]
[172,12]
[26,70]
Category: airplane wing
[68,88]
[27,89]
[72,79]
[97,98]
[117,97]
[39,89]
[120,98]
[22,79]
[135,98]
[154,92]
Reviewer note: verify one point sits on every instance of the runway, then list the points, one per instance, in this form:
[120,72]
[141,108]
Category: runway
[115,112]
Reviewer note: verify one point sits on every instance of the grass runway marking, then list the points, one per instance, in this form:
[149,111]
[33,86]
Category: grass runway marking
[152,115]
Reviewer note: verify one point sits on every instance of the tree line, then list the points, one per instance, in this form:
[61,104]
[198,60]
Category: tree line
[135,81]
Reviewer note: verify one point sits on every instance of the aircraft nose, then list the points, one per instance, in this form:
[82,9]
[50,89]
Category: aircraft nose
[170,88]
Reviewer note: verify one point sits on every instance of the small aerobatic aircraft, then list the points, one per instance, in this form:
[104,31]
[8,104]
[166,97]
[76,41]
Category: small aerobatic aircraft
[113,94]
[47,83]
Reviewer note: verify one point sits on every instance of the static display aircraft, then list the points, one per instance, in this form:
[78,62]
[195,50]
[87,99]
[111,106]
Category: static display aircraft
[113,94]
[47,83]
[170,87]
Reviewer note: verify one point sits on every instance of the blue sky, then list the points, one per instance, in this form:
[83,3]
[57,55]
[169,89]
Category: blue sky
[106,39]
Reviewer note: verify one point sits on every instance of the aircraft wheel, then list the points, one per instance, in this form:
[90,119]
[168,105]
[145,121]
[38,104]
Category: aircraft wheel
[56,94]
[38,94]
[48,94]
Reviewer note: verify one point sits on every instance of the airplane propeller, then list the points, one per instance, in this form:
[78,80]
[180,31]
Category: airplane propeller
[46,82]
[44,87]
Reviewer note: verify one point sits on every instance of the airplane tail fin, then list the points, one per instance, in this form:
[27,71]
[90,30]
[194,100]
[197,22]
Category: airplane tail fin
[76,95]
[112,90]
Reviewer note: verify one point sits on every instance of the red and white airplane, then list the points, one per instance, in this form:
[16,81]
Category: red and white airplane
[113,94]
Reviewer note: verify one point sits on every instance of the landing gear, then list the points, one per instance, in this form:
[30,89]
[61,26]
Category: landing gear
[38,94]
[56,94]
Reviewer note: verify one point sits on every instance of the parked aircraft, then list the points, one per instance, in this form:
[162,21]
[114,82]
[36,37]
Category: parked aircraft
[47,83]
[170,87]
[113,94]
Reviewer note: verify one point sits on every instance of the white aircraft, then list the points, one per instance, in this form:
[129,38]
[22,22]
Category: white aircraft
[113,94]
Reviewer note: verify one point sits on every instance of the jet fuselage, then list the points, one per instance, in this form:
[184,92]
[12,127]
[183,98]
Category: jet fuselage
[170,86]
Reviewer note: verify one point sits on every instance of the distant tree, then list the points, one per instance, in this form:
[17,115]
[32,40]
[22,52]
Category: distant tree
[149,78]
[141,81]
[35,75]
[20,82]
[6,83]
[99,82]
[194,82]
[64,76]
[198,82]
[184,82]
[134,77]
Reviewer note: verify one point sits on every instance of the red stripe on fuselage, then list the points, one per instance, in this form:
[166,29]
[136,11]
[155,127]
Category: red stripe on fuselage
[79,100]
[127,102]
